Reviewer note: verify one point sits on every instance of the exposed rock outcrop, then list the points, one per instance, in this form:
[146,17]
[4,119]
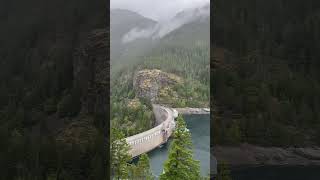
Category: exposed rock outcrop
[148,83]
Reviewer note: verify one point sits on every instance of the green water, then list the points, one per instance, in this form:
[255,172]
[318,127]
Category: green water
[199,126]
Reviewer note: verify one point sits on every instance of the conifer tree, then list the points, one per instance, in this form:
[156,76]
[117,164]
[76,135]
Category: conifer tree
[223,172]
[180,165]
[143,167]
[119,155]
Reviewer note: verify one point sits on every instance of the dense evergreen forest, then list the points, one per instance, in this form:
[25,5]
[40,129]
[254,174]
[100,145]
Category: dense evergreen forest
[134,114]
[266,72]
[192,64]
[52,125]
[183,53]
[180,163]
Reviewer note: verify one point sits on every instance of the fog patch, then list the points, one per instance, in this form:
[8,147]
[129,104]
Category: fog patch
[157,10]
[138,33]
[161,29]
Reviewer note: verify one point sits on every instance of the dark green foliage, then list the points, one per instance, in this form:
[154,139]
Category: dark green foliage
[69,105]
[184,52]
[65,106]
[43,158]
[266,76]
[131,120]
[224,172]
[142,169]
[180,163]
[50,106]
[98,159]
[190,63]
[38,43]
[119,155]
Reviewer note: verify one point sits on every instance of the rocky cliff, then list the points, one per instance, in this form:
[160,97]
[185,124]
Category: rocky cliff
[148,83]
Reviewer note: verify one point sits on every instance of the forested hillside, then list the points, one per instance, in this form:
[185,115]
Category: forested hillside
[266,78]
[53,91]
[184,52]
[121,22]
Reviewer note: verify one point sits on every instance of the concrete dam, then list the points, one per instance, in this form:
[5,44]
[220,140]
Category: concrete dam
[155,137]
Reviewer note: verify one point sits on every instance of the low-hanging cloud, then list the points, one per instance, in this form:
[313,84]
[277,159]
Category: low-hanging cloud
[165,27]
[137,33]
[159,10]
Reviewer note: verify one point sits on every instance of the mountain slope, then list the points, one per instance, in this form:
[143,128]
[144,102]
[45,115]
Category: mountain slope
[52,95]
[121,22]
[181,48]
[266,78]
[134,36]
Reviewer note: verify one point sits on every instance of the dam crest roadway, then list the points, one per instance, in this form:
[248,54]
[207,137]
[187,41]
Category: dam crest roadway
[165,124]
[155,137]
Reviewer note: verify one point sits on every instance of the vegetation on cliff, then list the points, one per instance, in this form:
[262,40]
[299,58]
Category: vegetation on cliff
[171,73]
[172,70]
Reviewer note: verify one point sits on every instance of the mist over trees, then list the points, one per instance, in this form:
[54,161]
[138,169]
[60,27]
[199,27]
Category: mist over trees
[183,52]
[181,57]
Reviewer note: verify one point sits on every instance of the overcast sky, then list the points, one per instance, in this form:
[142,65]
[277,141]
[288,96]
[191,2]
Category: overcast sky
[159,10]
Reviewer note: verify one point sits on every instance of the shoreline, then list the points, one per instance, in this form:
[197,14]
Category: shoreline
[252,155]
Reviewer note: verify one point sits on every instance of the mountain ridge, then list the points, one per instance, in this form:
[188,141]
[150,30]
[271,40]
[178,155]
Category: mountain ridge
[144,36]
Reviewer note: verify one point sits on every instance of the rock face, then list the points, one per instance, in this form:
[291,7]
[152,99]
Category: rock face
[147,83]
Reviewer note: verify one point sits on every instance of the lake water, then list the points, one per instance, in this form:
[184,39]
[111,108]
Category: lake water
[199,126]
[277,172]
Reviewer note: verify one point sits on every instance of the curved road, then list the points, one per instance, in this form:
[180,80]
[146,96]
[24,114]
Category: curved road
[153,138]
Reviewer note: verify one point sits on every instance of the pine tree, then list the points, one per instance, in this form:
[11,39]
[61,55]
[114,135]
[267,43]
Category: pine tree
[119,155]
[223,172]
[180,164]
[143,168]
[97,163]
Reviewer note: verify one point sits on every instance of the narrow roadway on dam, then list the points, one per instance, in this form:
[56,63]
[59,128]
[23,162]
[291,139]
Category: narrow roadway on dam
[155,137]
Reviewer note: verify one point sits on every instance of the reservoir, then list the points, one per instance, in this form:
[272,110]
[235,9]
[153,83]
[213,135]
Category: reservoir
[199,126]
[276,172]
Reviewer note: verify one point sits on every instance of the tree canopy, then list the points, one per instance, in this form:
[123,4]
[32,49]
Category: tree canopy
[181,163]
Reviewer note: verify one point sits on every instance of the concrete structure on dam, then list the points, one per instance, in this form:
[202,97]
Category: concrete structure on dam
[188,111]
[153,138]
